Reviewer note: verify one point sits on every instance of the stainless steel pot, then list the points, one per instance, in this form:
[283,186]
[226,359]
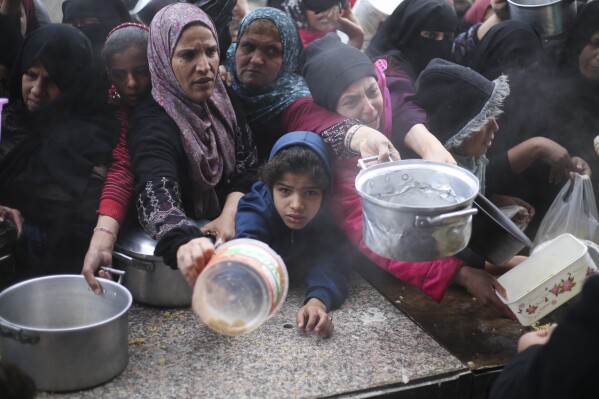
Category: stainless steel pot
[494,236]
[548,17]
[147,277]
[63,335]
[416,210]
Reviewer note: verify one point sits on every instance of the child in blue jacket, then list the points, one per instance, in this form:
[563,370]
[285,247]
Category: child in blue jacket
[286,210]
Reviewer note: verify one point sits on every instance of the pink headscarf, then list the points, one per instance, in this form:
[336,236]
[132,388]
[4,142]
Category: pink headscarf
[476,13]
[207,128]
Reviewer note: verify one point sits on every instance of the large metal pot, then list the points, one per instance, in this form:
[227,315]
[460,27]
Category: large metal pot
[63,335]
[416,210]
[147,277]
[548,17]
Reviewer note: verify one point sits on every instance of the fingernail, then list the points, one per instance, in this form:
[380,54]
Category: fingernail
[299,325]
[97,290]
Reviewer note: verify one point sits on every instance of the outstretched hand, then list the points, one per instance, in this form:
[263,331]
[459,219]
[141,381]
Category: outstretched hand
[482,286]
[313,316]
[15,216]
[370,142]
[193,257]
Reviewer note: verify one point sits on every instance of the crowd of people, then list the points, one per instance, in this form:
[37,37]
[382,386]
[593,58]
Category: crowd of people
[257,134]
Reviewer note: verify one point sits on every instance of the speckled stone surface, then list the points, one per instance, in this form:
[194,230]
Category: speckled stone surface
[180,357]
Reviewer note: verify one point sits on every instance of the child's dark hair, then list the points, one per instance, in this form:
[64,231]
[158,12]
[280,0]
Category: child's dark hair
[123,38]
[297,159]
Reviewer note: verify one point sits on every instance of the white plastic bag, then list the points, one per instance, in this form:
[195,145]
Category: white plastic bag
[573,211]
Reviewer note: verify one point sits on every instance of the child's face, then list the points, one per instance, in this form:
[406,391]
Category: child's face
[324,20]
[297,199]
[478,144]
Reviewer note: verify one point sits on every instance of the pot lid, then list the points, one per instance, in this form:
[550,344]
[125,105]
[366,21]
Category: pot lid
[134,241]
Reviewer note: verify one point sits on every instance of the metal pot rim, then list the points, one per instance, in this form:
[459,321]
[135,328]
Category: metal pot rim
[395,165]
[70,277]
[548,3]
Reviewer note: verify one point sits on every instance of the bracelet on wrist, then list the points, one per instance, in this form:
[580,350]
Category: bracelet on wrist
[107,231]
[348,138]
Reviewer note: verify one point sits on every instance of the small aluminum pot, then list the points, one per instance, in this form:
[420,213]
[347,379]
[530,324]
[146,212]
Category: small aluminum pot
[63,335]
[416,210]
[548,17]
[150,281]
[495,237]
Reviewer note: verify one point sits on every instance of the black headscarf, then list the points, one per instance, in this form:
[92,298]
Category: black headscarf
[111,13]
[68,136]
[580,33]
[401,32]
[507,46]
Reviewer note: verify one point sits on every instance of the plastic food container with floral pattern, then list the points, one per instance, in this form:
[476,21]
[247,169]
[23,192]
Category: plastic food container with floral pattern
[552,275]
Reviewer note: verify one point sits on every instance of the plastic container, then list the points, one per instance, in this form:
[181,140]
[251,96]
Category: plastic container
[2,102]
[241,287]
[552,275]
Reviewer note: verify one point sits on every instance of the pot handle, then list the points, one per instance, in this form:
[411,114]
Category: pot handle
[13,331]
[362,161]
[446,218]
[112,270]
[129,261]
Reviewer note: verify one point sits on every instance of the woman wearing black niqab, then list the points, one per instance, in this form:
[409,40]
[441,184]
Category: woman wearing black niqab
[402,34]
[54,175]
[95,18]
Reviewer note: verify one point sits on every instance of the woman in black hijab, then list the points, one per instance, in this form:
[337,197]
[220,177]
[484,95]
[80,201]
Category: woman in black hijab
[54,176]
[95,18]
[510,46]
[416,32]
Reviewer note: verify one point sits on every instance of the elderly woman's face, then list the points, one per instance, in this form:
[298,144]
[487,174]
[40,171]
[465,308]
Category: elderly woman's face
[362,100]
[259,54]
[588,60]
[195,62]
[478,144]
[37,87]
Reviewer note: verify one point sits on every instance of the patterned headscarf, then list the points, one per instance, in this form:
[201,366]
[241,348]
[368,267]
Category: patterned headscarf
[263,104]
[207,128]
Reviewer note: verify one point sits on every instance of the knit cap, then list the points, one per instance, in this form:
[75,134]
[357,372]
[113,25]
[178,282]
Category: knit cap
[330,66]
[458,100]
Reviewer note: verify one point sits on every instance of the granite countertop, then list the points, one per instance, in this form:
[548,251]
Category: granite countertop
[172,354]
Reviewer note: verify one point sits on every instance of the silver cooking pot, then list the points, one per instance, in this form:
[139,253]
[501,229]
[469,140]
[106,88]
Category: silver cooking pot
[416,210]
[63,335]
[548,17]
[147,277]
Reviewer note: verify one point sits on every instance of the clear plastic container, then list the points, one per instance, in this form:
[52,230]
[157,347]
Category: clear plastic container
[242,286]
[2,102]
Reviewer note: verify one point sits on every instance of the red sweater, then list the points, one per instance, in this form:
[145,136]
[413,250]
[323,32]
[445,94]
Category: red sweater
[118,187]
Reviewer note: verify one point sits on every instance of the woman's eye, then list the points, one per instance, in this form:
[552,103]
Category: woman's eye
[186,55]
[118,75]
[211,52]
[31,75]
[284,190]
[312,193]
[273,51]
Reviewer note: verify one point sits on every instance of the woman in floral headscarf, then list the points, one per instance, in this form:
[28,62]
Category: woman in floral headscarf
[190,153]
